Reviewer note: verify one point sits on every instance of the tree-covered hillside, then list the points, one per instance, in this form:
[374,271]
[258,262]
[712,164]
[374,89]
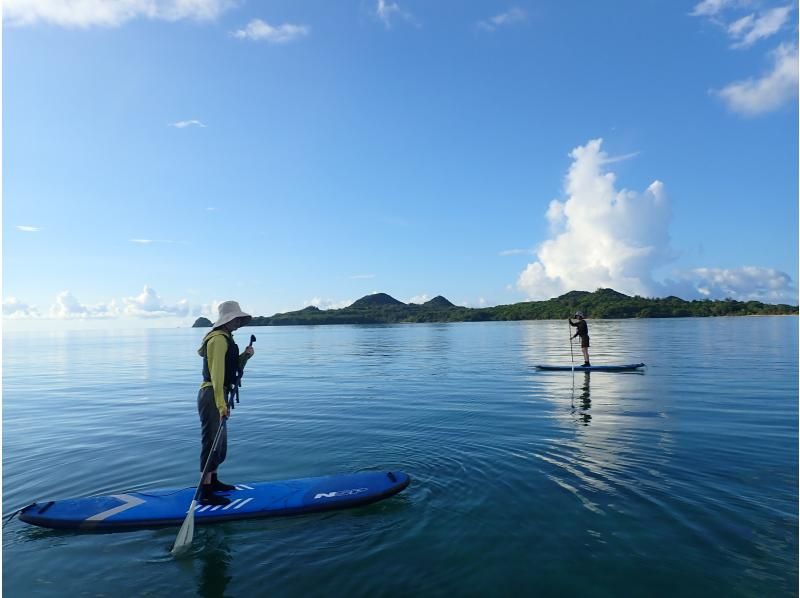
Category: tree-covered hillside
[381,308]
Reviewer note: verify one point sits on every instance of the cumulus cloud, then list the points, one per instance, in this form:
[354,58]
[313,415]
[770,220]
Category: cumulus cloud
[327,303]
[28,229]
[387,12]
[148,304]
[605,237]
[107,13]
[749,29]
[68,307]
[419,299]
[13,308]
[748,283]
[510,17]
[769,92]
[258,30]
[182,124]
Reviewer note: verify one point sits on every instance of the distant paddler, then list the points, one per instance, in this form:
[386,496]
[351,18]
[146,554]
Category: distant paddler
[583,332]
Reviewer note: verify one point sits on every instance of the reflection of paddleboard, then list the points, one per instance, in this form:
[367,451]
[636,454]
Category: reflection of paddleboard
[592,368]
[262,499]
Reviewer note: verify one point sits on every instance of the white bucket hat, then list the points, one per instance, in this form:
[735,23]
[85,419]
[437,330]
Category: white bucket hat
[230,310]
[578,314]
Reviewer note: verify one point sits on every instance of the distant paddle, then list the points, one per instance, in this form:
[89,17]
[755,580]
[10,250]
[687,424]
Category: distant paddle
[252,340]
[186,533]
[571,352]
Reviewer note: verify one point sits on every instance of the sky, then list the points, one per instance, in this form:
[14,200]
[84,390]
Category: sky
[162,156]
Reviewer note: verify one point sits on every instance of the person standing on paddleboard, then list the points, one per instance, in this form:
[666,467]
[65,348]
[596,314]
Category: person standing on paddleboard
[583,332]
[222,367]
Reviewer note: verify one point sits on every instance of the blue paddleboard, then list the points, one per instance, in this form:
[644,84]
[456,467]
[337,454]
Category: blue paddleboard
[154,508]
[592,368]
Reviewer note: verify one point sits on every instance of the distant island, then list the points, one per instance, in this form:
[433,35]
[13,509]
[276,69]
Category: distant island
[381,308]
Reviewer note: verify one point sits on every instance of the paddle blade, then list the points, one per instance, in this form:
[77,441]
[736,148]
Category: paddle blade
[252,338]
[186,533]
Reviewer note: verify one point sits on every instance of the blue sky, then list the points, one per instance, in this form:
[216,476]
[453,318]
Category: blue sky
[161,156]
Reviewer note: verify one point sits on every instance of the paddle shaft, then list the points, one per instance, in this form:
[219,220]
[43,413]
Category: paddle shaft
[233,396]
[571,351]
[186,532]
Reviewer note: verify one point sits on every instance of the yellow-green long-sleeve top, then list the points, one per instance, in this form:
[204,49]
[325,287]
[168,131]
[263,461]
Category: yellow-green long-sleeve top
[213,348]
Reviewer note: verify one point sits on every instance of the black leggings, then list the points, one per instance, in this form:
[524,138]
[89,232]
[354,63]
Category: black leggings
[209,424]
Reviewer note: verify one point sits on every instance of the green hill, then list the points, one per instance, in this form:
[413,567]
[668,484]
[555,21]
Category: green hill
[381,308]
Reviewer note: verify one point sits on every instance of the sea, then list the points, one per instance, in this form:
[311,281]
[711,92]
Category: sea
[677,480]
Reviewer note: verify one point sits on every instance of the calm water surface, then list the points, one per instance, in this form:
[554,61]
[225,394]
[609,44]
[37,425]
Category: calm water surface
[682,480]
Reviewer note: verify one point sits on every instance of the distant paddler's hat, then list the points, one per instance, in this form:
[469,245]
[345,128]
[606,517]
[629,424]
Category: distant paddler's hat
[230,310]
[578,314]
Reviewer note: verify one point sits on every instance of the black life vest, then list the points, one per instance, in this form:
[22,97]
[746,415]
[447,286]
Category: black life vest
[233,373]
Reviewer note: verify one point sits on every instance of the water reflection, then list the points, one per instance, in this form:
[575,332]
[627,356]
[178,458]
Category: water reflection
[584,399]
[215,561]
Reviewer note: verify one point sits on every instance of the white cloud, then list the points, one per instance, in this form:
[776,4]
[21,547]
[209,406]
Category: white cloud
[327,303]
[182,124]
[510,17]
[744,284]
[711,8]
[151,241]
[387,11]
[749,29]
[776,88]
[28,229]
[149,305]
[604,237]
[258,30]
[109,13]
[506,252]
[13,308]
[68,307]
[419,299]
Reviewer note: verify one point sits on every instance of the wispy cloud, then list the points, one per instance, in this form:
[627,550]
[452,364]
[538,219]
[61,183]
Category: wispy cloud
[710,8]
[109,13]
[361,276]
[258,30]
[769,92]
[388,12]
[182,124]
[506,252]
[151,241]
[510,17]
[28,229]
[751,28]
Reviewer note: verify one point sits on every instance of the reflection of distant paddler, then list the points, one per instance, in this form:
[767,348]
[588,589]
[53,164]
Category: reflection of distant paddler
[586,402]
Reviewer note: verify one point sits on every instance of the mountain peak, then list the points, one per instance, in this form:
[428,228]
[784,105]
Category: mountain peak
[376,300]
[439,302]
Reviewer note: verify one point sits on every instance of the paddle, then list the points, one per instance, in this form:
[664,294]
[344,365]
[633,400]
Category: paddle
[571,352]
[186,533]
